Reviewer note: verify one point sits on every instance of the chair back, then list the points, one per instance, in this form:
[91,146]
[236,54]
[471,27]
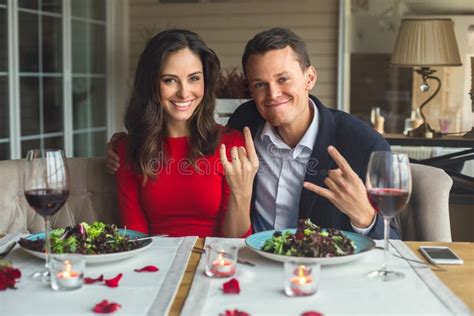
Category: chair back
[426,217]
[92,197]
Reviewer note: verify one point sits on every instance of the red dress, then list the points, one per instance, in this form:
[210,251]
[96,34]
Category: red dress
[181,201]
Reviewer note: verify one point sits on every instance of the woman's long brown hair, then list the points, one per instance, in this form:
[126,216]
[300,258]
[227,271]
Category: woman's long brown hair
[145,119]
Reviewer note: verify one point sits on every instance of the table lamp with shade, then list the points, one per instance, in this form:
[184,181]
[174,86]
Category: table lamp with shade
[425,43]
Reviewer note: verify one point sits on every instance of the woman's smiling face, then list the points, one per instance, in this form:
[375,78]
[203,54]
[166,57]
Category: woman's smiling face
[181,87]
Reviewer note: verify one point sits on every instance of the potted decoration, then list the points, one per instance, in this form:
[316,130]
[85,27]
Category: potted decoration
[231,91]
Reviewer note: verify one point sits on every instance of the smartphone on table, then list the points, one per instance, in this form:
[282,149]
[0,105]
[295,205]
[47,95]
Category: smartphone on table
[440,255]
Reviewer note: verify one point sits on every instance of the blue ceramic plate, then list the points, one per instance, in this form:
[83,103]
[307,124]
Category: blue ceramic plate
[109,257]
[362,245]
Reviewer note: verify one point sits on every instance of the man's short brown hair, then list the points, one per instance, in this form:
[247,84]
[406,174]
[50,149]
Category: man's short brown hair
[276,38]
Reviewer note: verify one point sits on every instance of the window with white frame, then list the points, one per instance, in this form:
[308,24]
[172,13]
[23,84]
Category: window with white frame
[88,35]
[53,79]
[4,113]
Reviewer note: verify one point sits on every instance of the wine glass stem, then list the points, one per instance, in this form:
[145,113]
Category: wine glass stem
[47,245]
[386,233]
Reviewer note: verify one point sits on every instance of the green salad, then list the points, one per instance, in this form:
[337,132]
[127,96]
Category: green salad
[310,240]
[88,239]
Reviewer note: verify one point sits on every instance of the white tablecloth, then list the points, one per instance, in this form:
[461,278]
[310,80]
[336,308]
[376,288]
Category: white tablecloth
[343,289]
[138,293]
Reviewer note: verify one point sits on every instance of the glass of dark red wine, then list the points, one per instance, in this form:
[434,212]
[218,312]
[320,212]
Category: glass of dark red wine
[389,188]
[46,187]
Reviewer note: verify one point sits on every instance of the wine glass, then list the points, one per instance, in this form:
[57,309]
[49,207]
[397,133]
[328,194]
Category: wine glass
[389,188]
[46,185]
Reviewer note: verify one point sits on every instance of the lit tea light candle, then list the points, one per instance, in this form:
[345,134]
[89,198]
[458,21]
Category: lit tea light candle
[68,278]
[223,267]
[221,260]
[302,283]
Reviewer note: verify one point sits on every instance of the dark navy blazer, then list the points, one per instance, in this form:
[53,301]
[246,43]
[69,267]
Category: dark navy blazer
[354,139]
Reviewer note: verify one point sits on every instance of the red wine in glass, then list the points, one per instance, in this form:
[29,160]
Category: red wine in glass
[388,201]
[388,188]
[46,202]
[46,189]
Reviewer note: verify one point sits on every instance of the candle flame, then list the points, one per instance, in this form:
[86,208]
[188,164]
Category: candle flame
[220,259]
[302,280]
[67,266]
[302,271]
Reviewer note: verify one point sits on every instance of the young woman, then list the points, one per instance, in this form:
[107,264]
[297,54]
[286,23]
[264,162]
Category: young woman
[177,178]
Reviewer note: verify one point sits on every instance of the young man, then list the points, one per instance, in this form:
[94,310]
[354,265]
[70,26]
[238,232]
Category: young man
[298,140]
[301,142]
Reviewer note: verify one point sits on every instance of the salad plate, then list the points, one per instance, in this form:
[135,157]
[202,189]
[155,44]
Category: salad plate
[362,245]
[101,258]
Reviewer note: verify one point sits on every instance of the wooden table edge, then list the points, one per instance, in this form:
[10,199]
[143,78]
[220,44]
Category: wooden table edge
[455,277]
[187,280]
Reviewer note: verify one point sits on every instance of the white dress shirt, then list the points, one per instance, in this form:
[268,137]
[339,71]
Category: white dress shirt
[280,177]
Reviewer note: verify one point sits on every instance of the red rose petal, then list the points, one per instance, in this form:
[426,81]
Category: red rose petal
[103,304]
[114,282]
[105,307]
[92,280]
[231,287]
[147,269]
[4,282]
[234,312]
[112,307]
[8,276]
[312,313]
[12,272]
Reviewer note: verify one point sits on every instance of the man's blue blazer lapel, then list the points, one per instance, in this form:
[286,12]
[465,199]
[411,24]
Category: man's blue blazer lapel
[320,162]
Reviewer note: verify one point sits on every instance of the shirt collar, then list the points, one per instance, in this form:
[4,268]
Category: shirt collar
[308,138]
[269,133]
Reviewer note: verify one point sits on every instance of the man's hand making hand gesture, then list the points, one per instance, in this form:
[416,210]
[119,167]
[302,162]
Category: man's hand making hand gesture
[346,191]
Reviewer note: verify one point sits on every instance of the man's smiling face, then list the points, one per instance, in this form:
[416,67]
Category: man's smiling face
[280,87]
